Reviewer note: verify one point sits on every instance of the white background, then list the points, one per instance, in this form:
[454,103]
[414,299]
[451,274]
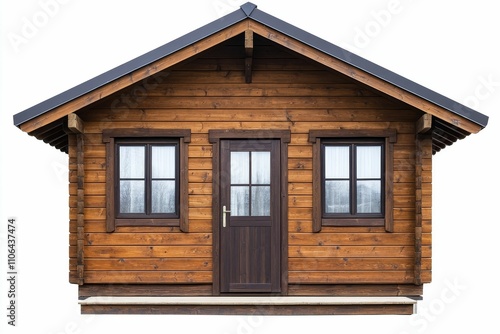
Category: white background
[450,47]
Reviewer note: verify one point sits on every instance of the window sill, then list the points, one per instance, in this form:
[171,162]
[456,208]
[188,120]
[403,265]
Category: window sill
[353,222]
[148,222]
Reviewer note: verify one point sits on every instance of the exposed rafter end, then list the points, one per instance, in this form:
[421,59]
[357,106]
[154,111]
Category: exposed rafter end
[424,124]
[248,55]
[75,123]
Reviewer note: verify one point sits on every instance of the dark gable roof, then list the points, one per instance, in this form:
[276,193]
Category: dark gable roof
[250,10]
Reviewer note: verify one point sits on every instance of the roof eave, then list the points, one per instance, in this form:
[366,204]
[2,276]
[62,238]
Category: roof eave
[369,67]
[130,66]
[249,10]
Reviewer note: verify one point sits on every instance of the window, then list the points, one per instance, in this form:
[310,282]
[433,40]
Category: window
[353,177]
[146,178]
[147,174]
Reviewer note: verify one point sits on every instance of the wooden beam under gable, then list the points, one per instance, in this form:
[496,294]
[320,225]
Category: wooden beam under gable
[248,55]
[424,124]
[75,123]
[364,77]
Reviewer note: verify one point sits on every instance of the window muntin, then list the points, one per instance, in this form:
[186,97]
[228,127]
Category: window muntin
[148,178]
[352,178]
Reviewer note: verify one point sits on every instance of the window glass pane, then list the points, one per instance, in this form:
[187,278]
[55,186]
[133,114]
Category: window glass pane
[337,196]
[163,197]
[261,168]
[132,197]
[240,200]
[368,162]
[369,197]
[163,162]
[240,167]
[132,162]
[336,162]
[261,201]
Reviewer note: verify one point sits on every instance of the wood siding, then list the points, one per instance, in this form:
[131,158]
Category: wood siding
[286,93]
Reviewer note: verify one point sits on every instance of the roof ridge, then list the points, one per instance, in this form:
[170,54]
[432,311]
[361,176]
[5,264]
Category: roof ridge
[248,8]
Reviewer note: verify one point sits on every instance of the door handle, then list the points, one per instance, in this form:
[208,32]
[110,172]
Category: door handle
[224,211]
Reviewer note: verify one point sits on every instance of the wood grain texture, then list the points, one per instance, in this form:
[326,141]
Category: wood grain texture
[287,93]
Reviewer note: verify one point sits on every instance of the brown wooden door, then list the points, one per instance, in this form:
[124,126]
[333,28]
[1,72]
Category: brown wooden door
[250,202]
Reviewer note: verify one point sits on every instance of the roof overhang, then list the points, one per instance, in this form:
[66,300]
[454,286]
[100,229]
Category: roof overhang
[454,121]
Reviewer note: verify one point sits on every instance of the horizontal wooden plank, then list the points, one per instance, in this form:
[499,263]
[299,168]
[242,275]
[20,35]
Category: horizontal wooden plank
[246,310]
[95,151]
[354,239]
[91,188]
[163,277]
[200,163]
[232,103]
[299,188]
[354,264]
[294,127]
[300,151]
[152,264]
[94,176]
[147,251]
[268,90]
[90,213]
[200,201]
[89,201]
[355,290]
[90,163]
[355,251]
[249,114]
[350,277]
[99,226]
[300,163]
[200,151]
[132,239]
[300,176]
[88,290]
[300,201]
[200,188]
[200,213]
[200,176]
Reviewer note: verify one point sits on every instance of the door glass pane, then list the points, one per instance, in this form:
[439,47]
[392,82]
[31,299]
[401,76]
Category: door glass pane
[163,196]
[336,162]
[163,162]
[132,196]
[337,196]
[240,201]
[261,201]
[240,167]
[369,162]
[132,162]
[369,197]
[261,168]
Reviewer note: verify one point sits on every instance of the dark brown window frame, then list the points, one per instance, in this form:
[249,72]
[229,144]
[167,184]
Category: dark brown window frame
[147,143]
[110,137]
[316,137]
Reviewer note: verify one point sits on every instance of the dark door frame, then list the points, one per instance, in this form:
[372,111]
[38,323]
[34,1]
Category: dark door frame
[215,136]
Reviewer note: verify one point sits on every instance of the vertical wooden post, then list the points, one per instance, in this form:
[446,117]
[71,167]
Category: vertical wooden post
[420,144]
[80,206]
[75,124]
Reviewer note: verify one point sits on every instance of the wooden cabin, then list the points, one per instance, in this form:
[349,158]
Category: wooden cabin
[250,167]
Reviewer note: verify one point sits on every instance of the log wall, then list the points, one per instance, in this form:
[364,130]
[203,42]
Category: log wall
[287,92]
